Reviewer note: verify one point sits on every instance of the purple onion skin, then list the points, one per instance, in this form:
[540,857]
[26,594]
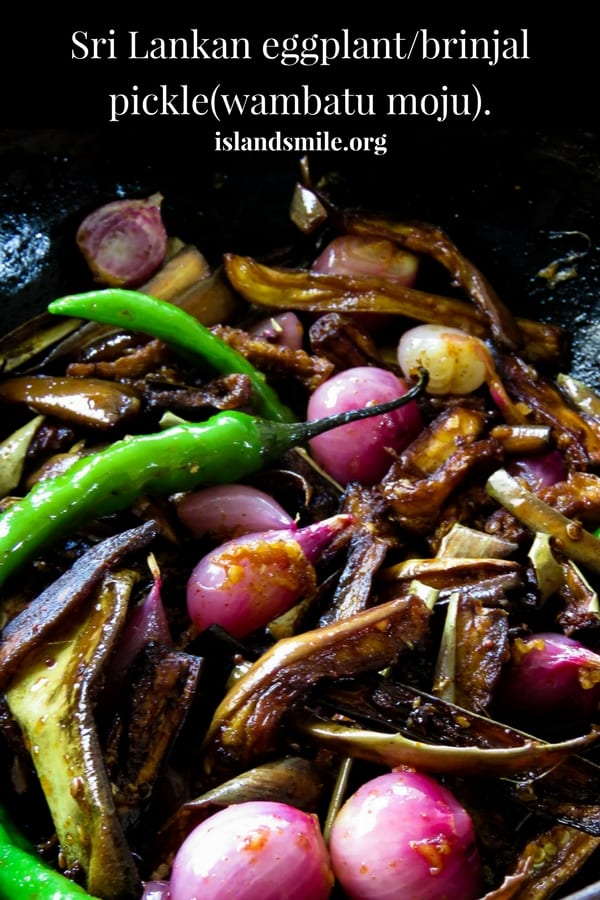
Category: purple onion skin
[356,255]
[124,242]
[156,890]
[229,510]
[551,686]
[359,451]
[248,581]
[283,330]
[259,850]
[146,623]
[404,835]
[541,470]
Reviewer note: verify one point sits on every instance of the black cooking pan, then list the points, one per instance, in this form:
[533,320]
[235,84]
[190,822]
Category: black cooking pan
[514,200]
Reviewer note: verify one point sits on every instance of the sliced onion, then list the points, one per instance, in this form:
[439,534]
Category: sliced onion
[124,242]
[259,850]
[228,510]
[147,623]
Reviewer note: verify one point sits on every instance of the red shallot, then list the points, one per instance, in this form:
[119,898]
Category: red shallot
[552,684]
[360,451]
[403,834]
[124,242]
[541,469]
[353,254]
[227,510]
[245,583]
[284,330]
[258,850]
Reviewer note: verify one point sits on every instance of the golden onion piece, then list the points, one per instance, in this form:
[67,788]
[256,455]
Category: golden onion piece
[457,362]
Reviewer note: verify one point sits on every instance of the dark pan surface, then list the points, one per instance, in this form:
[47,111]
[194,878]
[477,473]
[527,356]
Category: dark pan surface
[513,201]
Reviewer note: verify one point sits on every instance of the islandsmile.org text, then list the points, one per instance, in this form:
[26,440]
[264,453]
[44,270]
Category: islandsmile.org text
[319,142]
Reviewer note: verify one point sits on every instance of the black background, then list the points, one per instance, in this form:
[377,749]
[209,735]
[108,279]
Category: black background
[508,188]
[43,87]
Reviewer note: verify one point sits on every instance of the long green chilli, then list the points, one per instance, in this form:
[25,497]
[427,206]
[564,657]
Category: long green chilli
[24,876]
[134,311]
[225,448]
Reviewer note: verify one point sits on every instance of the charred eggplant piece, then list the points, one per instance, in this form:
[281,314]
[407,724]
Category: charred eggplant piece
[93,403]
[247,723]
[371,539]
[31,339]
[51,698]
[424,238]
[28,630]
[549,861]
[158,699]
[473,650]
[310,371]
[278,288]
[578,437]
[388,710]
[13,454]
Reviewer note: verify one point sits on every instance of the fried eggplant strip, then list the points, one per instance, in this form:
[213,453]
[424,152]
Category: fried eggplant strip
[372,537]
[450,573]
[424,238]
[91,402]
[550,860]
[178,273]
[581,612]
[567,792]
[311,371]
[417,502]
[51,699]
[452,428]
[247,723]
[31,338]
[162,692]
[30,628]
[278,288]
[473,649]
[583,397]
[13,453]
[343,342]
[577,436]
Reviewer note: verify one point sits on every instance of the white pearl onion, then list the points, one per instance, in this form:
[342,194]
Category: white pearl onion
[457,362]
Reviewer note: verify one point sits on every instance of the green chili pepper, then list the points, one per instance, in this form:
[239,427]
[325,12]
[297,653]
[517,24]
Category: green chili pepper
[24,876]
[134,311]
[225,448]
